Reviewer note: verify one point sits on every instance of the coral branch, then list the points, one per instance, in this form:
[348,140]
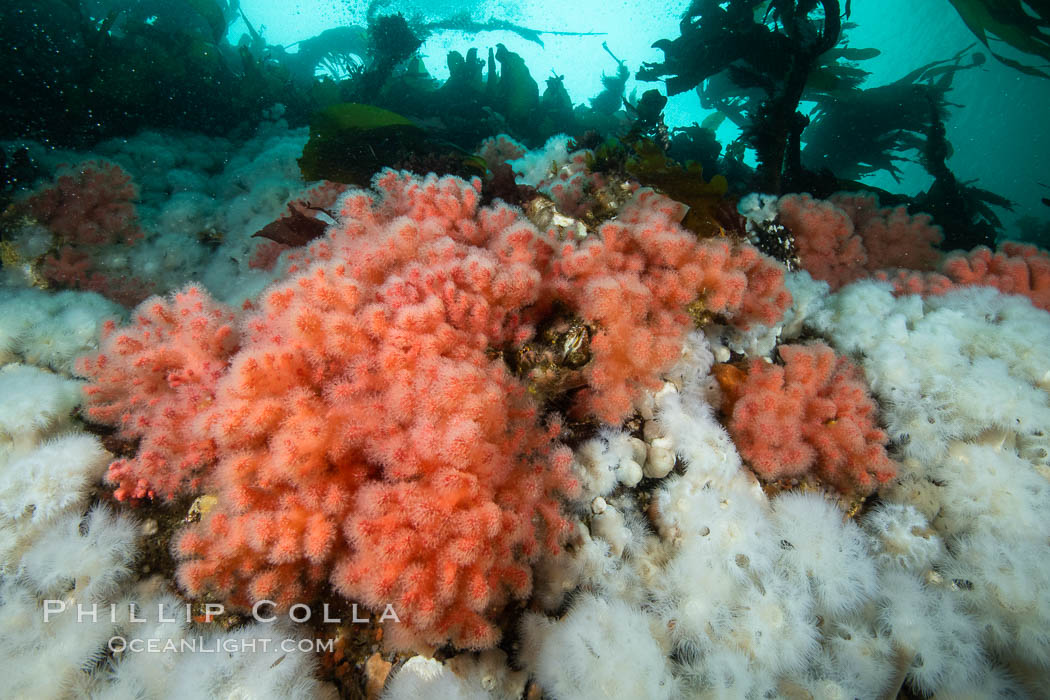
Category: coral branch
[813,414]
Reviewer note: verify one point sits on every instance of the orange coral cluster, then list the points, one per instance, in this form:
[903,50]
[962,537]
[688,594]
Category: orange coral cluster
[635,281]
[1016,268]
[356,424]
[813,414]
[151,381]
[848,236]
[87,206]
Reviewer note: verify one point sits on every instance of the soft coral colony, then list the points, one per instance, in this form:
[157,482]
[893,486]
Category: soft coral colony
[357,422]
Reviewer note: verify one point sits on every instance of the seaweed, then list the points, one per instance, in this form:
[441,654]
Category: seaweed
[351,142]
[649,119]
[768,47]
[611,96]
[159,65]
[151,64]
[855,132]
[963,211]
[1023,25]
[651,167]
[391,42]
[556,110]
[339,46]
[504,185]
[462,22]
[697,143]
[516,94]
[294,228]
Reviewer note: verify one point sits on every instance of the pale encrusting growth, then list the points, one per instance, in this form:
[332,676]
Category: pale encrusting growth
[422,677]
[46,470]
[600,649]
[51,330]
[751,596]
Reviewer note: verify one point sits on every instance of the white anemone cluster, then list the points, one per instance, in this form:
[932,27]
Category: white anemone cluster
[749,596]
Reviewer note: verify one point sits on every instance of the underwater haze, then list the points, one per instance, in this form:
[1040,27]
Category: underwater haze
[997,129]
[484,351]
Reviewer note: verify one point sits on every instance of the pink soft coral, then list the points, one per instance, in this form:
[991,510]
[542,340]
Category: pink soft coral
[828,246]
[914,282]
[635,281]
[497,150]
[92,203]
[574,188]
[74,268]
[848,236]
[892,237]
[86,207]
[360,428]
[150,381]
[813,414]
[1015,268]
[364,434]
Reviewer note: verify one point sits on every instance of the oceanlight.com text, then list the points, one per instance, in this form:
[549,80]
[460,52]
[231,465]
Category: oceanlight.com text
[202,645]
